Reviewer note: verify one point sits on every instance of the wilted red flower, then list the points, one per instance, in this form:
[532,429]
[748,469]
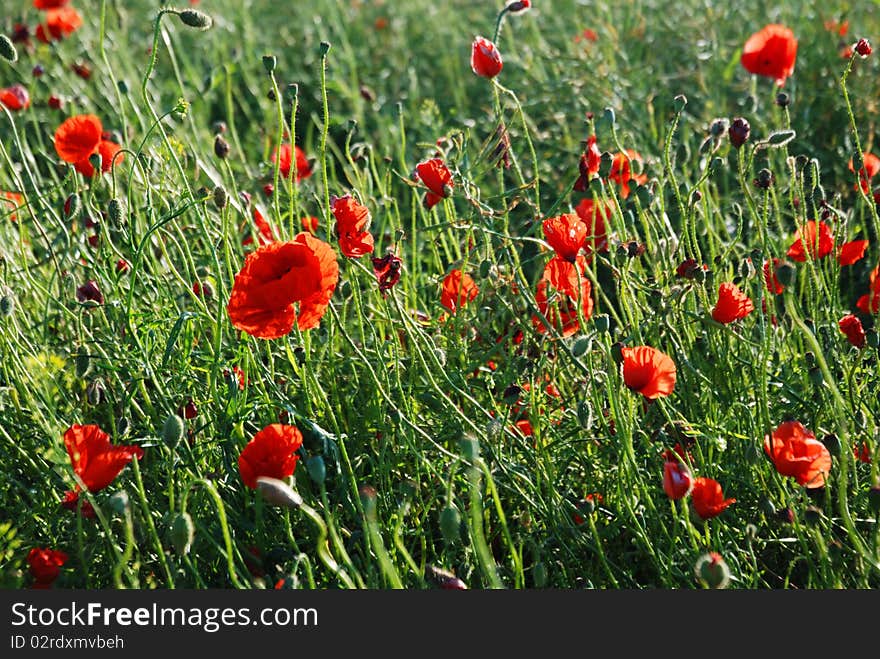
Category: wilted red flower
[621,171]
[796,452]
[595,215]
[566,234]
[863,48]
[82,136]
[870,303]
[771,52]
[264,230]
[271,452]
[677,480]
[44,565]
[589,164]
[818,240]
[436,176]
[286,162]
[352,221]
[851,252]
[11,200]
[870,167]
[59,23]
[457,290]
[852,328]
[90,291]
[557,295]
[15,97]
[275,279]
[387,271]
[688,268]
[94,459]
[71,501]
[774,286]
[708,498]
[648,371]
[485,58]
[122,266]
[732,304]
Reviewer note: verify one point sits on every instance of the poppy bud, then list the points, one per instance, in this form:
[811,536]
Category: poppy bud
[317,469]
[96,392]
[195,18]
[602,322]
[7,50]
[863,48]
[278,493]
[768,508]
[679,103]
[539,575]
[581,346]
[220,197]
[712,570]
[485,58]
[617,352]
[765,179]
[785,273]
[172,430]
[221,147]
[718,127]
[587,505]
[116,212]
[445,579]
[783,100]
[269,63]
[470,448]
[324,48]
[518,6]
[7,302]
[450,524]
[72,206]
[182,533]
[739,132]
[584,414]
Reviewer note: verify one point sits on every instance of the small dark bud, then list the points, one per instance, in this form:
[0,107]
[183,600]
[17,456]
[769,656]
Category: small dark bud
[221,147]
[581,346]
[96,392]
[7,302]
[718,127]
[220,197]
[269,63]
[324,48]
[7,50]
[511,394]
[765,179]
[863,48]
[602,322]
[783,100]
[739,132]
[89,292]
[679,103]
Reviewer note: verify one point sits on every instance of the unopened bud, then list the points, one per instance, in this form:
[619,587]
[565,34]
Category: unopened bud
[278,493]
[182,533]
[785,273]
[172,430]
[450,524]
[269,63]
[72,206]
[7,49]
[863,48]
[739,132]
[220,197]
[7,302]
[195,18]
[116,211]
[712,571]
[96,391]
[317,469]
[221,147]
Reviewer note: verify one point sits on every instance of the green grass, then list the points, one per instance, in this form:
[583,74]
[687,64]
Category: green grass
[407,406]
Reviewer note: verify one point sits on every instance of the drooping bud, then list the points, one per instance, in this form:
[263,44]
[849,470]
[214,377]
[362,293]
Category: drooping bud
[221,147]
[278,493]
[269,63]
[7,49]
[195,18]
[7,302]
[72,206]
[863,48]
[182,533]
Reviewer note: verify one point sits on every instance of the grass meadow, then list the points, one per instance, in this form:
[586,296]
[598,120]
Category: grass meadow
[591,304]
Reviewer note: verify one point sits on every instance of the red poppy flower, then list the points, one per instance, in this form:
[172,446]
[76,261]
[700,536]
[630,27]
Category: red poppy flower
[621,171]
[310,224]
[275,279]
[586,35]
[457,290]
[303,169]
[60,23]
[708,499]
[833,25]
[264,230]
[852,328]
[732,304]
[94,459]
[44,565]
[387,271]
[557,296]
[816,237]
[352,221]
[862,452]
[648,371]
[485,58]
[594,215]
[589,164]
[796,452]
[271,452]
[71,501]
[870,303]
[677,480]
[50,4]
[566,234]
[525,427]
[436,176]
[870,167]
[851,252]
[15,97]
[774,286]
[82,136]
[10,202]
[771,52]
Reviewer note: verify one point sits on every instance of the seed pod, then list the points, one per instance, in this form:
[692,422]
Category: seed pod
[182,533]
[196,19]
